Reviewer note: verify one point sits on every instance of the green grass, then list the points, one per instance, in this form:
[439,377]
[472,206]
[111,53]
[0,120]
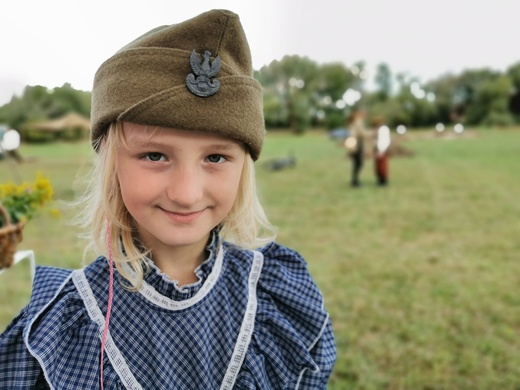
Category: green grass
[421,278]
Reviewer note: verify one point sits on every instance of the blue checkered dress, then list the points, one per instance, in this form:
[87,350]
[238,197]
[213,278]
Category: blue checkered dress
[252,321]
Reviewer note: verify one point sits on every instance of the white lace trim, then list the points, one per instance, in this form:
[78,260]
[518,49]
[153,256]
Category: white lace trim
[248,324]
[244,336]
[158,299]
[113,353]
[26,336]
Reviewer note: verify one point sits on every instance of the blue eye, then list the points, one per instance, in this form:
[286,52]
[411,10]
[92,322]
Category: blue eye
[216,158]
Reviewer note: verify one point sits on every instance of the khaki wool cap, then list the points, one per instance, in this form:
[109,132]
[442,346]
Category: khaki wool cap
[196,75]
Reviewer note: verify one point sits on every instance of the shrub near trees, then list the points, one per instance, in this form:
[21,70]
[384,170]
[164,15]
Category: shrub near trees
[39,103]
[300,93]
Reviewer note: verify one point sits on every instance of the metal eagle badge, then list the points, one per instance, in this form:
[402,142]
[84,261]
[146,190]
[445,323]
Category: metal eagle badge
[203,83]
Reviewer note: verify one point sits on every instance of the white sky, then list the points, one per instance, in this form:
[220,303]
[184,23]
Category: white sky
[51,42]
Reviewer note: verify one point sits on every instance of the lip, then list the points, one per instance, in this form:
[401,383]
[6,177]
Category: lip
[183,217]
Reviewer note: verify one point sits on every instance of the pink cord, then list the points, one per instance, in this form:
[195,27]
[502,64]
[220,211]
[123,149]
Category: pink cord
[110,299]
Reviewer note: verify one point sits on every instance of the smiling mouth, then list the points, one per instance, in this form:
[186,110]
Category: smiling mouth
[183,217]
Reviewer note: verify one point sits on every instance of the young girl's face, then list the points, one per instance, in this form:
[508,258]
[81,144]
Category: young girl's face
[177,185]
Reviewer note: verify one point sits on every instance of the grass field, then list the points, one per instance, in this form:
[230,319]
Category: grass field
[421,279]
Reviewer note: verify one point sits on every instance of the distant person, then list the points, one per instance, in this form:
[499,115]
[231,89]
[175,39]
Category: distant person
[9,144]
[381,151]
[3,130]
[355,144]
[177,299]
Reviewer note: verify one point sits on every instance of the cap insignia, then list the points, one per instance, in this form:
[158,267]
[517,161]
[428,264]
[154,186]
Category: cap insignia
[201,83]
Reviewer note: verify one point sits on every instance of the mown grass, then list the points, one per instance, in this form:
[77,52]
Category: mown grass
[421,278]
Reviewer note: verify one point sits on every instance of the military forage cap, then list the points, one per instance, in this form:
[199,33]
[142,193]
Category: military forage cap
[195,75]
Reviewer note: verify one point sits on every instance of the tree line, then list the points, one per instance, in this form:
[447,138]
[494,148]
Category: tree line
[300,93]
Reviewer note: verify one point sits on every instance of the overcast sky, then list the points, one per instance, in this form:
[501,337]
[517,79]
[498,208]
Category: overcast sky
[51,42]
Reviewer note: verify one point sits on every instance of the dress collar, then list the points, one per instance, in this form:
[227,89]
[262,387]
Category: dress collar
[170,288]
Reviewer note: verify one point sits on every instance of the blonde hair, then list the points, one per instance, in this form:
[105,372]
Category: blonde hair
[102,204]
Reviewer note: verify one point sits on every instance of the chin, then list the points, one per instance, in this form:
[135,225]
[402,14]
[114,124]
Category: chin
[178,240]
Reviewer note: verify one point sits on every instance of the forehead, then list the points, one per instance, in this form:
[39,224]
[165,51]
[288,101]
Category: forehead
[142,134]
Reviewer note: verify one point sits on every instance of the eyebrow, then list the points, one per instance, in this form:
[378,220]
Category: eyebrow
[224,146]
[221,146]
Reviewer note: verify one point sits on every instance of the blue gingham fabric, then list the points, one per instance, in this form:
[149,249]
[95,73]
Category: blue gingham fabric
[54,343]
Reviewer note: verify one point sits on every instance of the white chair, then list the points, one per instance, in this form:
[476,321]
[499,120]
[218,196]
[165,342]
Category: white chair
[23,255]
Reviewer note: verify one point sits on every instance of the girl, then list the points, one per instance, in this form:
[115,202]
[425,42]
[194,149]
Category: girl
[177,301]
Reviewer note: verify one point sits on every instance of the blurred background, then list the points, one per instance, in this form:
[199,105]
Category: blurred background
[416,63]
[421,278]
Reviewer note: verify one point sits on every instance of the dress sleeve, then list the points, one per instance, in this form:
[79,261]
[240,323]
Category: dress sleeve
[18,368]
[293,331]
[324,354]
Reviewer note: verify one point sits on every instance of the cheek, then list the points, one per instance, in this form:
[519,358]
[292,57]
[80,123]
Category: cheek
[129,196]
[131,175]
[228,190]
[124,183]
[134,188]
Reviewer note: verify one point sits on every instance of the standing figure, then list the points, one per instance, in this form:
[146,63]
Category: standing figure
[381,151]
[177,298]
[355,144]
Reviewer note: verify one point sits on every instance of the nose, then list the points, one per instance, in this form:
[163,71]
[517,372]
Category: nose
[185,186]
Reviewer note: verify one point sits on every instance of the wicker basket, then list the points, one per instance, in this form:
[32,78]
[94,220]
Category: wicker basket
[10,236]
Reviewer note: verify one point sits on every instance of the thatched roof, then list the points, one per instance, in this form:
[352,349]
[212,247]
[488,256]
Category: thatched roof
[71,120]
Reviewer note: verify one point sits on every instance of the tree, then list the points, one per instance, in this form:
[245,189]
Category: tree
[490,105]
[305,91]
[443,89]
[329,87]
[287,82]
[514,103]
[383,80]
